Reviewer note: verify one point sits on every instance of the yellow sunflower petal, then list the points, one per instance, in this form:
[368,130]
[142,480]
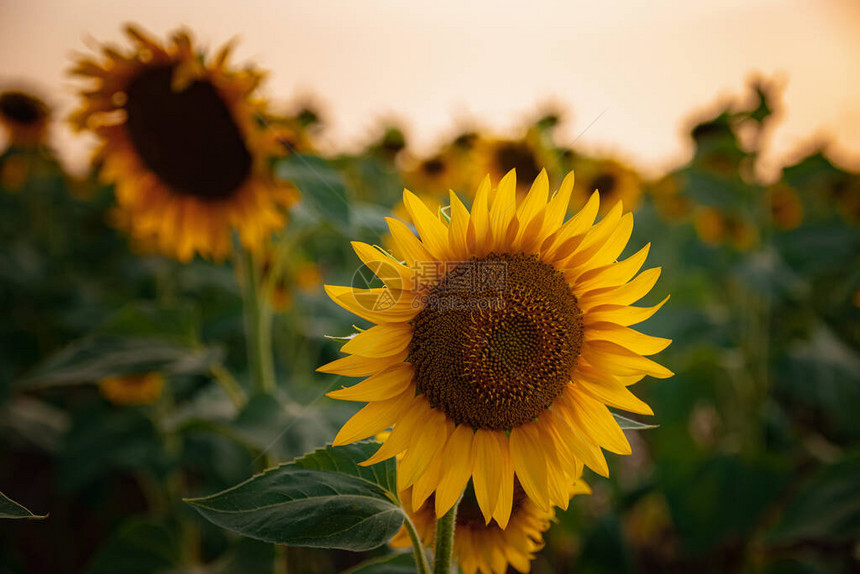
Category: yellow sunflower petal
[612,274]
[392,273]
[425,446]
[529,463]
[503,209]
[578,443]
[614,395]
[374,418]
[478,233]
[355,366]
[487,476]
[458,229]
[535,201]
[408,246]
[595,421]
[616,359]
[626,337]
[502,513]
[382,385]
[623,294]
[380,341]
[557,207]
[623,315]
[457,470]
[434,233]
[379,305]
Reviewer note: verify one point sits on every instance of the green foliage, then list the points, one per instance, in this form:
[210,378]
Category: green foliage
[323,500]
[139,546]
[825,509]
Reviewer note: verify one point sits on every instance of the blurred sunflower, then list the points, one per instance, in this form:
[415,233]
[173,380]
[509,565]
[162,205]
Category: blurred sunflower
[140,389]
[497,157]
[24,117]
[435,175]
[500,341]
[786,209]
[482,547]
[716,228]
[614,180]
[182,142]
[671,203]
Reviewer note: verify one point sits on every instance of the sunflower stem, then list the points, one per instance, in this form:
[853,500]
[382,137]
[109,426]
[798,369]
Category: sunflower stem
[445,541]
[229,384]
[421,564]
[258,326]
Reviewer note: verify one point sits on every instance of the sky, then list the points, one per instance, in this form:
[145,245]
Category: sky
[631,75]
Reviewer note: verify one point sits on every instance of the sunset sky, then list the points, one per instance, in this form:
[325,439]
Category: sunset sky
[635,72]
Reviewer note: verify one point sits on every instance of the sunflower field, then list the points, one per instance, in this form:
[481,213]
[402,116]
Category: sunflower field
[229,349]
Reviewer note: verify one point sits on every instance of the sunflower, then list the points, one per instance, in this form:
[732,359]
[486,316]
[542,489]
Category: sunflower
[671,203]
[140,389]
[716,228]
[24,117]
[499,342]
[786,209]
[525,155]
[182,142]
[482,547]
[614,180]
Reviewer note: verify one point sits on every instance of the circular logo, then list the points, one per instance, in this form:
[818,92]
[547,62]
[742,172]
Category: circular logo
[371,285]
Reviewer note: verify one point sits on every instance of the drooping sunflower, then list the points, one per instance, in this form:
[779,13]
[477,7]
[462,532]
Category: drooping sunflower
[482,547]
[24,117]
[499,342]
[182,142]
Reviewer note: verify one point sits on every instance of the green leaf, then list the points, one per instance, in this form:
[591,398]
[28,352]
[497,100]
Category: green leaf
[398,563]
[630,424]
[345,459]
[826,509]
[92,359]
[35,422]
[322,188]
[322,500]
[11,509]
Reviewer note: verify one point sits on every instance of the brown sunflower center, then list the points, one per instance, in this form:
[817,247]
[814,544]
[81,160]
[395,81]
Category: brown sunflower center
[188,138]
[433,166]
[496,341]
[605,183]
[518,156]
[21,108]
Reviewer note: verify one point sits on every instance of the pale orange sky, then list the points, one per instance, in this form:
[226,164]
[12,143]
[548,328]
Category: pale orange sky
[647,66]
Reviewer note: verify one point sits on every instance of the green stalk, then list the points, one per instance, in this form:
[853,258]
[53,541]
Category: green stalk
[445,541]
[258,326]
[229,385]
[417,549]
